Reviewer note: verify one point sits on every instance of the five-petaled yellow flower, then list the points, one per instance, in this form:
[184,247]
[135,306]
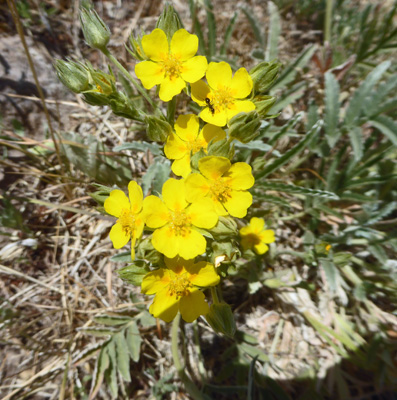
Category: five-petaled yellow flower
[222,97]
[130,221]
[188,140]
[176,289]
[225,184]
[171,65]
[255,236]
[176,221]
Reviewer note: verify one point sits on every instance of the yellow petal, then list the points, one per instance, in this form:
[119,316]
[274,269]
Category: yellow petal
[246,230]
[238,204]
[240,175]
[219,75]
[187,127]
[193,305]
[177,264]
[196,187]
[257,224]
[218,118]
[191,245]
[219,208]
[155,212]
[116,202]
[212,132]
[164,241]
[240,106]
[136,197]
[213,167]
[149,73]
[175,148]
[202,213]
[267,236]
[164,306]
[171,87]
[199,92]
[182,167]
[139,225]
[155,45]
[203,274]
[261,248]
[174,194]
[184,45]
[118,236]
[155,281]
[194,69]
[241,84]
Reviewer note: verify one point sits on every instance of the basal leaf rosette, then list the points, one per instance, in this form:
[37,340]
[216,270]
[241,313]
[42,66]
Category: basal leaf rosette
[226,184]
[187,140]
[172,64]
[176,288]
[177,222]
[256,237]
[223,96]
[128,210]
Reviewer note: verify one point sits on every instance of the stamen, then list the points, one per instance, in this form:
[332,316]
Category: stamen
[220,189]
[179,222]
[221,99]
[172,66]
[127,221]
[180,286]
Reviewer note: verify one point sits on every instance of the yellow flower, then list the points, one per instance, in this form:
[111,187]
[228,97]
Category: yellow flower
[176,221]
[170,66]
[222,97]
[176,289]
[225,184]
[255,236]
[129,213]
[187,141]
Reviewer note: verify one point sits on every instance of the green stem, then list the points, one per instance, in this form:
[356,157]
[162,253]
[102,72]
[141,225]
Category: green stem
[140,89]
[191,388]
[171,107]
[214,294]
[328,21]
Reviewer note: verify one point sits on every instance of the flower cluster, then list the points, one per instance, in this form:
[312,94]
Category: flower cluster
[189,226]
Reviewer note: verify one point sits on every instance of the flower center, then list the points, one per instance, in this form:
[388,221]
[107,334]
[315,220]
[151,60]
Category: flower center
[220,189]
[221,99]
[252,239]
[180,286]
[172,66]
[179,222]
[196,146]
[127,221]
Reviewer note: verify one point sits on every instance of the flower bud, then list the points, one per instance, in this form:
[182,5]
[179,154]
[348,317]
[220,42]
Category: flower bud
[96,32]
[169,21]
[221,148]
[122,106]
[136,49]
[245,126]
[263,104]
[264,75]
[221,319]
[157,129]
[73,75]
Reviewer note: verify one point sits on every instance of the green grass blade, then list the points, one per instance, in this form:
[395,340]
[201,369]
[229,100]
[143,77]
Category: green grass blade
[356,140]
[211,28]
[275,165]
[255,25]
[228,34]
[273,32]
[331,117]
[387,126]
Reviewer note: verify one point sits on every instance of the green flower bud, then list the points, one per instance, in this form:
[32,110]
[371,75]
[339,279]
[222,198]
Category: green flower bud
[263,104]
[157,128]
[96,32]
[122,106]
[169,21]
[221,319]
[264,75]
[221,148]
[225,228]
[73,75]
[95,99]
[245,126]
[136,49]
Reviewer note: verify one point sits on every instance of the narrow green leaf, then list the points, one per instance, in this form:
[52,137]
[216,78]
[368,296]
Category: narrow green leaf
[289,73]
[197,27]
[257,145]
[273,31]
[360,96]
[275,165]
[387,126]
[125,256]
[134,341]
[289,97]
[282,187]
[331,117]
[123,360]
[97,331]
[285,128]
[101,366]
[211,28]
[255,25]
[268,198]
[253,352]
[111,320]
[156,175]
[228,33]
[111,373]
[154,148]
[356,140]
[133,273]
